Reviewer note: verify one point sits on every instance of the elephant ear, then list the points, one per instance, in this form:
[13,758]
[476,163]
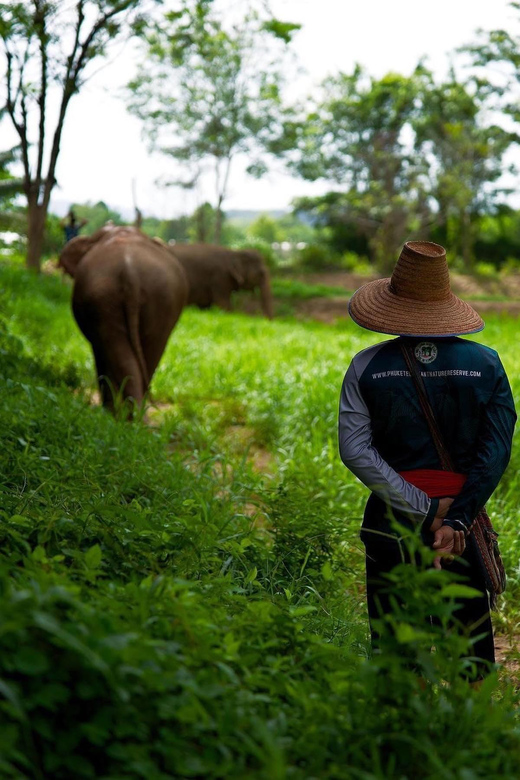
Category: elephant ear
[73,252]
[236,269]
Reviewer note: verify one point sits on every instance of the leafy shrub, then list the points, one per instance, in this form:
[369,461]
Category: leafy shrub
[487,270]
[316,257]
[511,266]
[350,261]
[271,259]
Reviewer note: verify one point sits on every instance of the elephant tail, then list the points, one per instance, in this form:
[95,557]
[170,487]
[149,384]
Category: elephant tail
[131,303]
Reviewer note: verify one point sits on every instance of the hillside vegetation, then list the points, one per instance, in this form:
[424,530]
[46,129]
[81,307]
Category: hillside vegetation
[182,597]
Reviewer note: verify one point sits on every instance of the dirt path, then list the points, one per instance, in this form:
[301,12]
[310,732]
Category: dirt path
[485,295]
[507,651]
[508,286]
[332,309]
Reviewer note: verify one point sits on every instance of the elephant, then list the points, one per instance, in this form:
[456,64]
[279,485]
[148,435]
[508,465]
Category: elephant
[128,294]
[214,272]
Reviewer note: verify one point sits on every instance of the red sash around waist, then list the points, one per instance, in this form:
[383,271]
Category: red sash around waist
[434,482]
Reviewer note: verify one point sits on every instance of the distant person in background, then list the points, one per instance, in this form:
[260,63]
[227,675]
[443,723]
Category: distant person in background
[71,225]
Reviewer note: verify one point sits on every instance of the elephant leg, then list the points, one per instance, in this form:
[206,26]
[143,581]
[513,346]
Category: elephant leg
[153,349]
[118,370]
[153,342]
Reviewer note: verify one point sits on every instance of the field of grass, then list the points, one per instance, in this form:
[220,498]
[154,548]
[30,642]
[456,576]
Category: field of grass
[182,597]
[295,289]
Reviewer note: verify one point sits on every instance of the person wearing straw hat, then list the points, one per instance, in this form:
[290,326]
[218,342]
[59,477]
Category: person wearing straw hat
[385,439]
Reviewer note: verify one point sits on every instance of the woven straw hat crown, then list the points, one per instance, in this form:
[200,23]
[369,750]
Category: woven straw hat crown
[421,272]
[417,299]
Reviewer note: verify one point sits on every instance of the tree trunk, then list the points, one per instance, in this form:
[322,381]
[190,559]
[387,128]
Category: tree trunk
[35,229]
[218,225]
[201,226]
[467,241]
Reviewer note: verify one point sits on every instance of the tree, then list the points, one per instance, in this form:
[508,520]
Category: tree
[498,237]
[411,156]
[9,185]
[97,215]
[48,46]
[332,223]
[465,156]
[499,49]
[266,229]
[356,136]
[207,94]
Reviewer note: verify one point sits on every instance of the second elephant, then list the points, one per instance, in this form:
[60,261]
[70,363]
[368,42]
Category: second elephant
[215,272]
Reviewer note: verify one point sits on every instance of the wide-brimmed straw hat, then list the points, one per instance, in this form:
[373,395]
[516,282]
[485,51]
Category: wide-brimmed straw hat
[416,300]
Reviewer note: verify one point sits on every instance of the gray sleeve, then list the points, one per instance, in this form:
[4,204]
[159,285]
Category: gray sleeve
[360,457]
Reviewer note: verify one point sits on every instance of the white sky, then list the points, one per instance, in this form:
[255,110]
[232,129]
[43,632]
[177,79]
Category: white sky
[103,151]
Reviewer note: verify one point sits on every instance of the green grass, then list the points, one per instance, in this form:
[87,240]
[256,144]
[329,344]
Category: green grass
[170,609]
[491,298]
[296,290]
[286,289]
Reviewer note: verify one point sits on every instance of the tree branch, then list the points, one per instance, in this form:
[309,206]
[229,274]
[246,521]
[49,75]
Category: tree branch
[21,128]
[42,98]
[74,70]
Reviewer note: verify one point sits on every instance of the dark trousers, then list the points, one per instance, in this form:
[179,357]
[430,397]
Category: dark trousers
[384,552]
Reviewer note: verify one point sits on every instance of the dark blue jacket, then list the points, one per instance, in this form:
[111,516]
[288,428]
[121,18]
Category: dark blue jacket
[383,430]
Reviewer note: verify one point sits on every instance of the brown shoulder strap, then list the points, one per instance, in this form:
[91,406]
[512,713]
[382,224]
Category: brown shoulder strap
[415,373]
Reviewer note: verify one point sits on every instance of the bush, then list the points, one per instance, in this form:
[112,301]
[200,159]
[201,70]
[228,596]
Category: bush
[510,266]
[354,263]
[271,259]
[316,257]
[486,270]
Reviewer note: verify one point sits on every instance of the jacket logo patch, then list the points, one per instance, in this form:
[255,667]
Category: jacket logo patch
[426,352]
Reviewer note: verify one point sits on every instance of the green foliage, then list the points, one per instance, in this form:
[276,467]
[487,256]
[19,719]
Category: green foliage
[59,41]
[202,225]
[54,237]
[271,259]
[350,261]
[294,289]
[232,234]
[278,238]
[283,30]
[9,185]
[294,229]
[316,257]
[174,229]
[355,136]
[487,270]
[96,215]
[411,155]
[327,214]
[466,153]
[497,238]
[208,91]
[266,229]
[167,609]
